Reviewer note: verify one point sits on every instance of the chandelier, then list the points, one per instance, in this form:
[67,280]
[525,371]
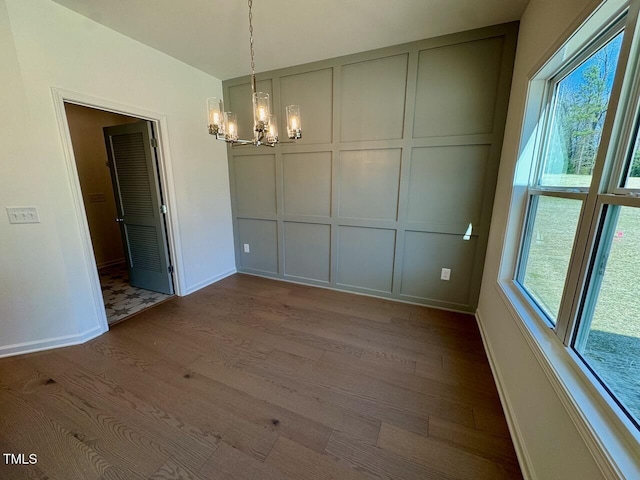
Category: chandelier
[224,125]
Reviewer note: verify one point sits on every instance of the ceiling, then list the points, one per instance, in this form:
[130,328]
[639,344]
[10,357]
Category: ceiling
[212,35]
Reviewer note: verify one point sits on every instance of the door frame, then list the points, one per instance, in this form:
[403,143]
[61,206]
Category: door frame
[60,97]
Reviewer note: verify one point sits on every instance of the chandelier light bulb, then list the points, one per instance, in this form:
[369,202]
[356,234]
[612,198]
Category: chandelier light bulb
[272,130]
[231,123]
[224,125]
[215,108]
[294,128]
[261,109]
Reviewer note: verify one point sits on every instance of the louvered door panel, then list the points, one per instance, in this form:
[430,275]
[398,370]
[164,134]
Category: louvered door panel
[144,248]
[135,181]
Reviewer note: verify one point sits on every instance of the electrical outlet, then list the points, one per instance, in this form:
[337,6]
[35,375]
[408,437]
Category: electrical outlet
[445,274]
[247,249]
[23,215]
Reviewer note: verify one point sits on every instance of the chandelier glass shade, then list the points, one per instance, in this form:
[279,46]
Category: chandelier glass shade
[224,125]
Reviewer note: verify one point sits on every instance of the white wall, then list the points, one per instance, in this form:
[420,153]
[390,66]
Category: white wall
[551,441]
[45,286]
[85,127]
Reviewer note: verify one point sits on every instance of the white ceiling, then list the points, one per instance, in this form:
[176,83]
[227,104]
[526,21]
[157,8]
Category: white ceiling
[212,35]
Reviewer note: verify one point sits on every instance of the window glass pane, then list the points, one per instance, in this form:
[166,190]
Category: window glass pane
[580,104]
[547,259]
[610,342]
[633,175]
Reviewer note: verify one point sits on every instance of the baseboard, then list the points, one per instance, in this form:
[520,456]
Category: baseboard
[111,263]
[314,283]
[610,438]
[516,436]
[50,343]
[209,281]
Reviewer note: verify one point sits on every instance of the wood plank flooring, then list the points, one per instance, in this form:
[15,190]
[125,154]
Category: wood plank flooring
[258,379]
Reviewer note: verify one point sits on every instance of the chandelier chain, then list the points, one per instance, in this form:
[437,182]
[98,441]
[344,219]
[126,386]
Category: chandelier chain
[253,63]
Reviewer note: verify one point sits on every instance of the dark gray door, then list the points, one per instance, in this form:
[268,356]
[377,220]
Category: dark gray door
[134,172]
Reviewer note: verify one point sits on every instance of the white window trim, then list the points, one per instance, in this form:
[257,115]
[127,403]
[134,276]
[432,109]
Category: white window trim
[608,433]
[611,438]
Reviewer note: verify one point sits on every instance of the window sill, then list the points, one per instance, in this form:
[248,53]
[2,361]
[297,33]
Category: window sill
[609,435]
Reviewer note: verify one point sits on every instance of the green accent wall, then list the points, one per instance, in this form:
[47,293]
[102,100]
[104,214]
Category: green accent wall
[399,154]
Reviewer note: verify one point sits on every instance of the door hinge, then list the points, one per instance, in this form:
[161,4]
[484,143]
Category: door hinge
[170,268]
[163,209]
[154,143]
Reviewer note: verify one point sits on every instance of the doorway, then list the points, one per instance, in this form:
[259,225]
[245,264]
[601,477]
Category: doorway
[117,164]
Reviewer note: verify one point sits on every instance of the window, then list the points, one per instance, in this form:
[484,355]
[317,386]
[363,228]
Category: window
[579,95]
[580,100]
[632,177]
[554,221]
[579,260]
[609,337]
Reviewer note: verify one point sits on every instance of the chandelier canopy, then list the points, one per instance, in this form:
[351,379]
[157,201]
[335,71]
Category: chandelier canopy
[224,125]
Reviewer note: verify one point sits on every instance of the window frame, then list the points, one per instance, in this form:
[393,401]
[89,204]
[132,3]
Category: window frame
[610,165]
[592,45]
[621,124]
[527,234]
[593,282]
[629,128]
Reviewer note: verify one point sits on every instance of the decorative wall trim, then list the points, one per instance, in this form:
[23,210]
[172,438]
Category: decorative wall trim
[370,191]
[209,281]
[516,436]
[50,343]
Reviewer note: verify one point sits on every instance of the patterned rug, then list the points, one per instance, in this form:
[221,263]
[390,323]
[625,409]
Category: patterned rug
[121,299]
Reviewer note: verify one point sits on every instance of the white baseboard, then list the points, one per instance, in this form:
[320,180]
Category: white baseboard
[317,284]
[111,263]
[68,340]
[50,343]
[209,281]
[516,436]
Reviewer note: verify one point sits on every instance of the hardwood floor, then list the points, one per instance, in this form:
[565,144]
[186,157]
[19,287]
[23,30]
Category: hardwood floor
[258,379]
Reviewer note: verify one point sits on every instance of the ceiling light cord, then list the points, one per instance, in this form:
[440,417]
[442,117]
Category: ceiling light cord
[253,63]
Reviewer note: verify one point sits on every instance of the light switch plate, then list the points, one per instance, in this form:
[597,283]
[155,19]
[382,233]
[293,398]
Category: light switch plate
[96,197]
[23,215]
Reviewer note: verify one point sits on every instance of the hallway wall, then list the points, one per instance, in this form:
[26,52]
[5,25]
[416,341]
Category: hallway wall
[85,126]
